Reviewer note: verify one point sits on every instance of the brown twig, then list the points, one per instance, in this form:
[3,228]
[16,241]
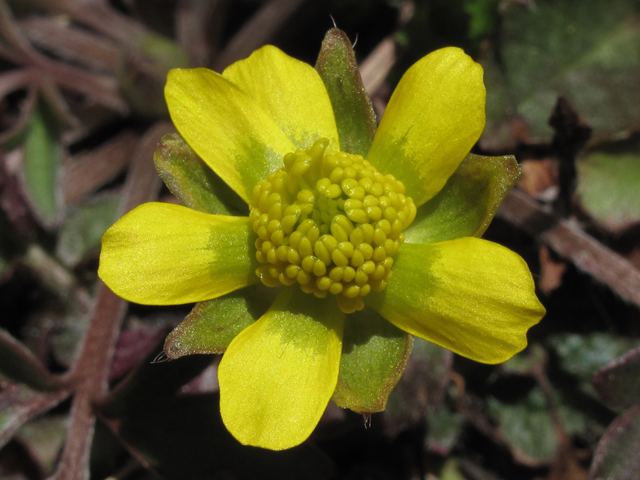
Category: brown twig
[567,239]
[90,372]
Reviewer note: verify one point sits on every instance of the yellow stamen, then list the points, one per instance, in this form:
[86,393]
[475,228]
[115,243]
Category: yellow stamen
[330,222]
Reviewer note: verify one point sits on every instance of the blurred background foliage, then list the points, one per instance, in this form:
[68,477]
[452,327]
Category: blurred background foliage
[81,113]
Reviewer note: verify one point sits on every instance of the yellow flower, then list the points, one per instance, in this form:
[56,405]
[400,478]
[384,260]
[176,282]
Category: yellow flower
[332,227]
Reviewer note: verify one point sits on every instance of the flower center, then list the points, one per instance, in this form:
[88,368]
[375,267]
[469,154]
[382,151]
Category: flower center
[330,222]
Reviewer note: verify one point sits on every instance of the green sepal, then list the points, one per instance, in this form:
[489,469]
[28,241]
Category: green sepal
[211,325]
[374,355]
[352,107]
[193,181]
[468,202]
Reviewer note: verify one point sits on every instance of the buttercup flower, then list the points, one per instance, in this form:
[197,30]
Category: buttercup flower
[365,239]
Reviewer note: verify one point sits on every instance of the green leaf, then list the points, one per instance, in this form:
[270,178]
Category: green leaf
[83,229]
[467,203]
[587,50]
[66,338]
[193,181]
[374,355]
[619,383]
[41,166]
[444,427]
[211,325]
[482,16]
[352,107]
[527,426]
[616,457]
[44,439]
[608,189]
[18,363]
[582,355]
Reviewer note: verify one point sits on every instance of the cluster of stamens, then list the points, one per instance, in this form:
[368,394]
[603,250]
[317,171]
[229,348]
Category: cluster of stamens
[330,222]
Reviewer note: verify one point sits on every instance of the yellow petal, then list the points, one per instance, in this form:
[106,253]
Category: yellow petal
[469,295]
[291,92]
[235,136]
[164,254]
[434,117]
[278,374]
